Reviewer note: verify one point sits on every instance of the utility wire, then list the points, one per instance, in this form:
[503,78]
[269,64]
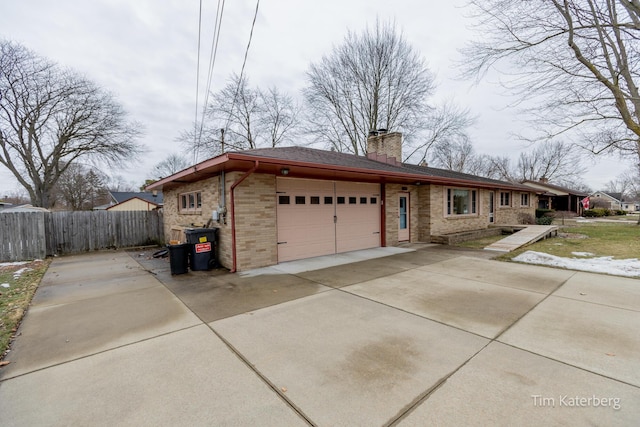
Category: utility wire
[212,59]
[244,63]
[195,122]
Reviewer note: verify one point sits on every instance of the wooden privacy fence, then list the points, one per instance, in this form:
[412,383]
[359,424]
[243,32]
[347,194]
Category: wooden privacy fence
[30,235]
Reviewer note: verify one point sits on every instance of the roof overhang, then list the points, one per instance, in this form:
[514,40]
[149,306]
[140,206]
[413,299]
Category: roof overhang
[230,162]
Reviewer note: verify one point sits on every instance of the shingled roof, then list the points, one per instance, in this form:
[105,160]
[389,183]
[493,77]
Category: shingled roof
[123,196]
[321,163]
[557,187]
[333,158]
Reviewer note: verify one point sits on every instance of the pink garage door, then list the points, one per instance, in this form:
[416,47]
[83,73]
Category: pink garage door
[358,216]
[325,217]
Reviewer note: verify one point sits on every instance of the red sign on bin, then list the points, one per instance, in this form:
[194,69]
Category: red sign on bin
[203,247]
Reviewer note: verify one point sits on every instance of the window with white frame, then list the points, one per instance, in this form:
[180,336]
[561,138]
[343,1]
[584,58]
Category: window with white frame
[461,201]
[505,198]
[190,202]
[524,199]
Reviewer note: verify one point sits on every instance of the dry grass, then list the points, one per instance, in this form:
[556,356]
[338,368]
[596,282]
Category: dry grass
[618,239]
[15,299]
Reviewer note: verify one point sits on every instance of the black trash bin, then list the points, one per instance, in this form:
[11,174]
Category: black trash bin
[203,243]
[179,258]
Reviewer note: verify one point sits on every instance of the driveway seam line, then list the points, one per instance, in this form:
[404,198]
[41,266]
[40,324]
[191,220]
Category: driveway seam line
[241,357]
[569,364]
[595,303]
[100,352]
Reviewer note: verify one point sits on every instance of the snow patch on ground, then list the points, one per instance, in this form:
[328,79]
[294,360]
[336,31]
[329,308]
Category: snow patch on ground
[5,285]
[11,264]
[618,267]
[18,273]
[582,254]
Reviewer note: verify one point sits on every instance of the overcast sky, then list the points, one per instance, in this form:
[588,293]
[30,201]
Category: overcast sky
[145,52]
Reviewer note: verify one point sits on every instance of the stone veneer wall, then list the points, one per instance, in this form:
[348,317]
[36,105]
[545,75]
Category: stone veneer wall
[424,206]
[389,144]
[441,224]
[255,209]
[514,214]
[210,196]
[256,226]
[392,212]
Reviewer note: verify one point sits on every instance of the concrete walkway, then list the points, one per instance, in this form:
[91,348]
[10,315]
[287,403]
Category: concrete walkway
[530,234]
[436,336]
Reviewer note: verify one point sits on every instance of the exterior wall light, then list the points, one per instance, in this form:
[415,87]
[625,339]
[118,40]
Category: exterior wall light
[284,171]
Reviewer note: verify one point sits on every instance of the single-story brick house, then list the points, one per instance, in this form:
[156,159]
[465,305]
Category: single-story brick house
[279,204]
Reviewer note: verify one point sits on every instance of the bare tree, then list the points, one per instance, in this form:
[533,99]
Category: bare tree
[556,161]
[372,80]
[497,167]
[241,117]
[278,119]
[171,164]
[559,162]
[579,59]
[81,188]
[447,125]
[51,118]
[458,155]
[238,107]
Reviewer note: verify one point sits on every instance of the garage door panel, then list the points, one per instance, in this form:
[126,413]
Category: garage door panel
[306,210]
[303,223]
[358,219]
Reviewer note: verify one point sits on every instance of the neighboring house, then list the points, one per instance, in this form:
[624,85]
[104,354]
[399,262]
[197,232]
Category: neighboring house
[631,206]
[279,204]
[23,208]
[4,205]
[555,197]
[133,201]
[600,199]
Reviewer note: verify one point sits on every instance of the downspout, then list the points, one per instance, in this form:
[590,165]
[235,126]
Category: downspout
[383,215]
[233,213]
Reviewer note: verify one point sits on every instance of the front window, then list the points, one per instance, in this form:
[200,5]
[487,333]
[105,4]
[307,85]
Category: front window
[505,198]
[461,202]
[190,202]
[524,199]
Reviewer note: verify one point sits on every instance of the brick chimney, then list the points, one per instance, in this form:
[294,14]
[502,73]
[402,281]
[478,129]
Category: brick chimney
[544,179]
[384,146]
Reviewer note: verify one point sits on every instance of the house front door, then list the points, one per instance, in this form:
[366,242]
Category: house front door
[403,217]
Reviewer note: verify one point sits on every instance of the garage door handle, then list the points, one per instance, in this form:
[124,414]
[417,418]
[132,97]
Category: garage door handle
[281,243]
[376,232]
[335,219]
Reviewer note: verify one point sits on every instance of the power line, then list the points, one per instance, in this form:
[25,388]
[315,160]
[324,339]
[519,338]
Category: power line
[244,63]
[195,122]
[212,60]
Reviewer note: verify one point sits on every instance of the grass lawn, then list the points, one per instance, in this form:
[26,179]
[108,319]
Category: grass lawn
[620,240]
[15,298]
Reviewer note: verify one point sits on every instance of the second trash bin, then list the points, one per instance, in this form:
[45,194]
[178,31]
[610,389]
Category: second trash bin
[179,258]
[203,243]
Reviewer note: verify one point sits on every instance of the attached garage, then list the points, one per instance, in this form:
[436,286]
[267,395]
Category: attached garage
[318,217]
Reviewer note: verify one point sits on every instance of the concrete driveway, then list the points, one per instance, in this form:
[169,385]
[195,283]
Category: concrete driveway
[433,336]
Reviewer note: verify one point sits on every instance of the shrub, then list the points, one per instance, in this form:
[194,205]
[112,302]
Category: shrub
[544,212]
[621,212]
[545,220]
[597,212]
[525,218]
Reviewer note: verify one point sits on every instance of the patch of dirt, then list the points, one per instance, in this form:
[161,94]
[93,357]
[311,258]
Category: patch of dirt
[572,236]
